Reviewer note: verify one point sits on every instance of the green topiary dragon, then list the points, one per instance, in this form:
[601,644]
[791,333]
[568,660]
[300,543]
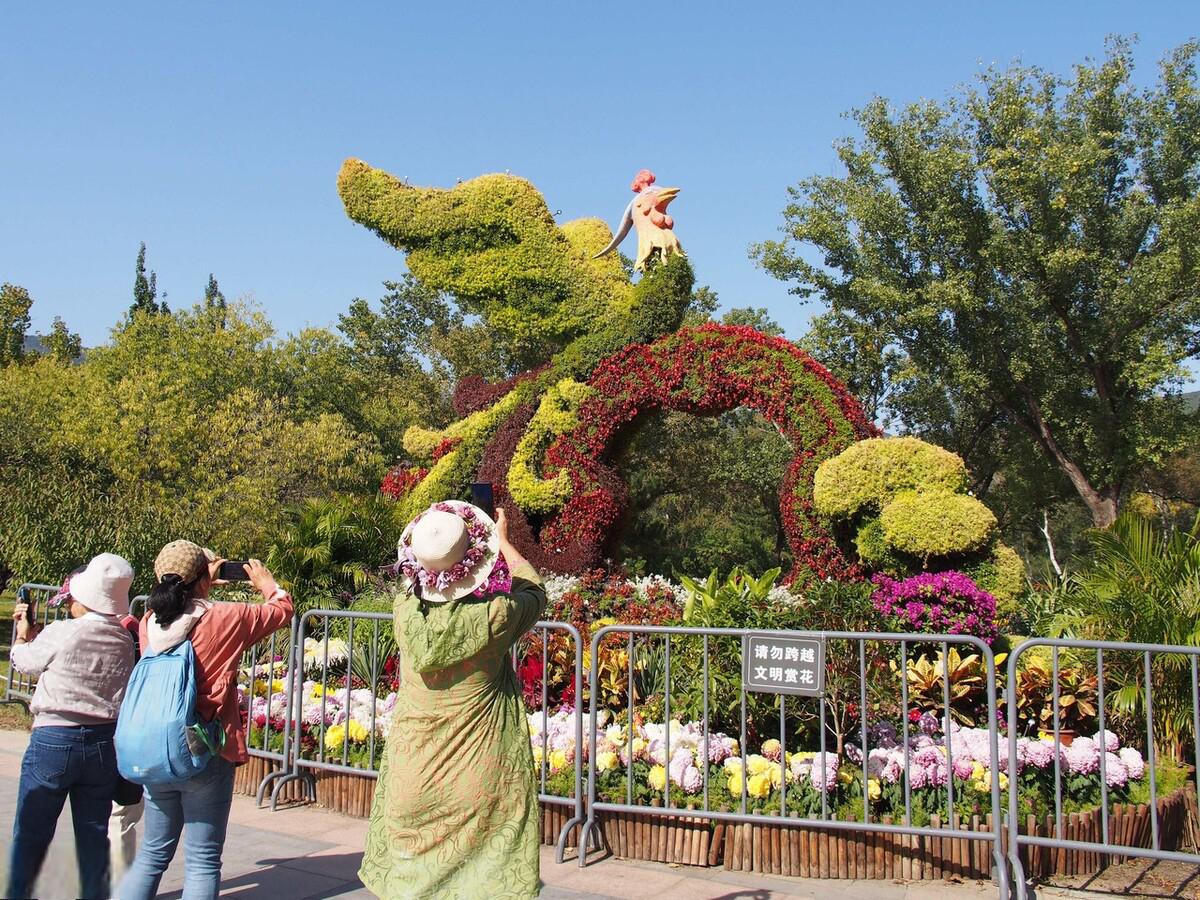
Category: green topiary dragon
[585,329]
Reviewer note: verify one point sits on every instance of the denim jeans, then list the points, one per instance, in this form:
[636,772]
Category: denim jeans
[199,809]
[78,762]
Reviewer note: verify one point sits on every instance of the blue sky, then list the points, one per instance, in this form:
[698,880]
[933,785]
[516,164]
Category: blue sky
[214,132]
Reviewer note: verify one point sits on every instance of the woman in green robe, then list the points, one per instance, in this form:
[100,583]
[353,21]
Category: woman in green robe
[455,813]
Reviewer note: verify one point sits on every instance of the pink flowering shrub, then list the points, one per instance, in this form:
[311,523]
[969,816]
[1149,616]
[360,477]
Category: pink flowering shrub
[937,603]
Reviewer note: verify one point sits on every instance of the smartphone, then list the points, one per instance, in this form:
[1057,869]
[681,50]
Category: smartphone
[233,570]
[483,497]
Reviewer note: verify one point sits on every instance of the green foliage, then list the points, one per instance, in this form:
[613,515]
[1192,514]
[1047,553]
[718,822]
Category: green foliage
[706,492]
[14,322]
[556,414]
[328,549]
[173,429]
[1143,586]
[1002,574]
[1029,247]
[493,244]
[145,290]
[715,602]
[61,345]
[936,523]
[870,474]
[902,500]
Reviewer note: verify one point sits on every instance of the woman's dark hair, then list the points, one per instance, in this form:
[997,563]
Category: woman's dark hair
[169,598]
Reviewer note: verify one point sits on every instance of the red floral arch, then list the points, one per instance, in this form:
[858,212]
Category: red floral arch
[704,371]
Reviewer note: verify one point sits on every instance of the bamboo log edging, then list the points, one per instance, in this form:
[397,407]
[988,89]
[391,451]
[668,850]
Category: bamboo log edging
[815,852]
[808,851]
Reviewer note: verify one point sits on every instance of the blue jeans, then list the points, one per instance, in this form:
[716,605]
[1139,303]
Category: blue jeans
[60,762]
[202,804]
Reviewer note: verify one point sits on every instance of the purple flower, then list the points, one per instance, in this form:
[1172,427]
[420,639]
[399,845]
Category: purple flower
[1134,764]
[1039,754]
[934,602]
[1109,741]
[1082,757]
[1115,773]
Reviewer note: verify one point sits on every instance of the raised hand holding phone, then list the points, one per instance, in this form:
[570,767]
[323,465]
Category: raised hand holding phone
[483,496]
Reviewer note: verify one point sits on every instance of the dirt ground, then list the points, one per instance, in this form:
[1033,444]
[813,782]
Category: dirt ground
[1141,878]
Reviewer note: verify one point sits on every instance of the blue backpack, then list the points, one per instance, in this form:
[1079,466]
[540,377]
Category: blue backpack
[160,739]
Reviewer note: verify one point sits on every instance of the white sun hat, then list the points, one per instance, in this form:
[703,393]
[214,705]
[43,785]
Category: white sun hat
[449,550]
[103,586]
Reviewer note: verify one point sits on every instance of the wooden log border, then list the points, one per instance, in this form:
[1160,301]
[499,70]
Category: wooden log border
[806,851]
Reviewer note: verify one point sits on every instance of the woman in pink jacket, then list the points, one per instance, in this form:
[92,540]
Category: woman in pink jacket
[179,609]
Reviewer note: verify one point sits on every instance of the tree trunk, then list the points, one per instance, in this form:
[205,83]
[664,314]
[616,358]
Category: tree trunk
[1102,502]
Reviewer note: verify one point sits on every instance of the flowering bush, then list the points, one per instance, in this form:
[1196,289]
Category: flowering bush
[937,603]
[703,371]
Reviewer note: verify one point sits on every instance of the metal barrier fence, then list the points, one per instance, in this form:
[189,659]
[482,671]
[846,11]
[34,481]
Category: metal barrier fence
[1144,656]
[19,686]
[649,635]
[368,645]
[339,657]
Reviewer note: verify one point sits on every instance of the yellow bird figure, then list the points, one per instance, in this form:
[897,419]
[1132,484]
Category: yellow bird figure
[647,212]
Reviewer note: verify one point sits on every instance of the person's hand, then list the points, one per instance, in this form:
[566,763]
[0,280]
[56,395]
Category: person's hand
[261,578]
[502,526]
[214,569]
[25,628]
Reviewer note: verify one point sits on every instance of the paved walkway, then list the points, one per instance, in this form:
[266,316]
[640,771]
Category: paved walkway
[307,853]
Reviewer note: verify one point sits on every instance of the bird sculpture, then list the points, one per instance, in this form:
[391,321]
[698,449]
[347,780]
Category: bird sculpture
[647,212]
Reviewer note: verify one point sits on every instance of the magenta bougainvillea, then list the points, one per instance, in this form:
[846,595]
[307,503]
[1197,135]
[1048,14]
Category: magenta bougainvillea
[937,603]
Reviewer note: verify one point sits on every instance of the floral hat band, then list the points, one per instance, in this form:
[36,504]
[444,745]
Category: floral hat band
[450,550]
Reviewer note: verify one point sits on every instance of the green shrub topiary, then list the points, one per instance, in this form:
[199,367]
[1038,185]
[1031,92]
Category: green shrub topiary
[933,523]
[557,413]
[870,474]
[1001,574]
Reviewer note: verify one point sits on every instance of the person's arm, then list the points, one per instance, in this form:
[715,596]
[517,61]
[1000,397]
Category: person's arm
[275,610]
[33,656]
[526,600]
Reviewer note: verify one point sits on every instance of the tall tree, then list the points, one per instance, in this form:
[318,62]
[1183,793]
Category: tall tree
[145,289]
[14,322]
[61,344]
[1031,246]
[214,300]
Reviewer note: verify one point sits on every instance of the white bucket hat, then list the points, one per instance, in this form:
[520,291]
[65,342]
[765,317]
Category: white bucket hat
[103,586]
[449,550]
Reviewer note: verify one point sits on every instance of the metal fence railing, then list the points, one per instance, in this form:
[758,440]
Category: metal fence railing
[341,652]
[19,686]
[1136,665]
[330,667]
[645,648]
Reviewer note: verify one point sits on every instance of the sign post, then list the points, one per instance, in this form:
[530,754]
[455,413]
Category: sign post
[774,663]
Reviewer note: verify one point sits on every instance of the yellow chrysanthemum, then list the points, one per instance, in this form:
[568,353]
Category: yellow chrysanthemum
[558,760]
[759,786]
[874,790]
[357,731]
[606,761]
[335,736]
[657,777]
[758,765]
[735,781]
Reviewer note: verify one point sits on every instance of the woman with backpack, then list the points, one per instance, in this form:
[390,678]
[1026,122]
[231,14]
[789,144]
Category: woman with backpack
[179,610]
[83,664]
[455,813]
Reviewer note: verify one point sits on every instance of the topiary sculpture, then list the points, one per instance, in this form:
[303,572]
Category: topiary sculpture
[904,503]
[602,351]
